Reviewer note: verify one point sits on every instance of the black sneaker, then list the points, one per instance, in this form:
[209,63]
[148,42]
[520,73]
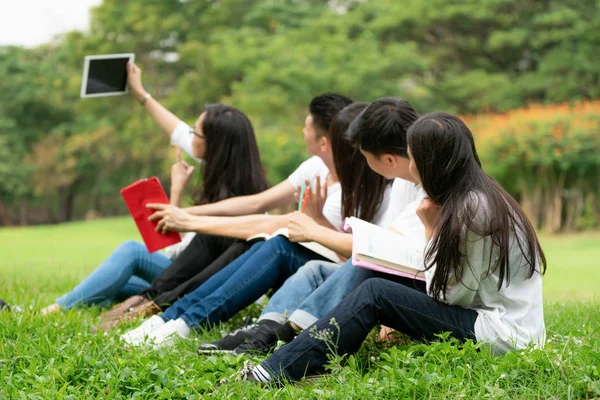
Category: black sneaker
[263,341]
[3,305]
[230,341]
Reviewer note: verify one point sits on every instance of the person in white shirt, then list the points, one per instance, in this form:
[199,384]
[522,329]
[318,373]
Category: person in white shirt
[483,265]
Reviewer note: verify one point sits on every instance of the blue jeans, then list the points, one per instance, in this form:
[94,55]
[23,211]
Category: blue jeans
[127,271]
[376,300]
[298,288]
[266,265]
[327,295]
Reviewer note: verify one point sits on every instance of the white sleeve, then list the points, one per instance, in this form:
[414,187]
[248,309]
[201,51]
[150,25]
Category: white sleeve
[463,293]
[176,249]
[308,170]
[182,138]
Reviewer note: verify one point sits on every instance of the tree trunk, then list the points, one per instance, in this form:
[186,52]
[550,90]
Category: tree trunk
[4,217]
[23,220]
[68,201]
[559,189]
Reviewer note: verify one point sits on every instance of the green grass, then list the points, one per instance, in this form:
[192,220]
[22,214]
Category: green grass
[56,356]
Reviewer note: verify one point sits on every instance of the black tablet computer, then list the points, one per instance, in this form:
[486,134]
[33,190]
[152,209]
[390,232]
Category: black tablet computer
[105,75]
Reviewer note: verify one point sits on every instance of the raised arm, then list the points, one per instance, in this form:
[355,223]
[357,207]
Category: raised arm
[280,195]
[163,117]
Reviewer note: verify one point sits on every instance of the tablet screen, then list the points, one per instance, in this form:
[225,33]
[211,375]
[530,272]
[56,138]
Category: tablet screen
[107,76]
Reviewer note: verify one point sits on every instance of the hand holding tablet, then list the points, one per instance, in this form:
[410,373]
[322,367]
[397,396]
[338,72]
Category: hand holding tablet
[105,75]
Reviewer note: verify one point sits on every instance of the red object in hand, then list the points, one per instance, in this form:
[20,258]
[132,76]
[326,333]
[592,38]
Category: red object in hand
[136,196]
[305,199]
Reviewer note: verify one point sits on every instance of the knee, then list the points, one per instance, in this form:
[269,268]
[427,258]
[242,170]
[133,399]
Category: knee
[131,247]
[279,244]
[372,288]
[310,268]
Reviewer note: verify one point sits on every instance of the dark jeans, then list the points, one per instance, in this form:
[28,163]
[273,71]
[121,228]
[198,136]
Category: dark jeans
[203,257]
[375,301]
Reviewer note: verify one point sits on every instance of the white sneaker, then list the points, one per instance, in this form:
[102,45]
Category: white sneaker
[140,334]
[169,333]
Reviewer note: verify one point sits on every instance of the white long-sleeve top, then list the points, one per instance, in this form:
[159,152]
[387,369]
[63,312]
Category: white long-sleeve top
[507,319]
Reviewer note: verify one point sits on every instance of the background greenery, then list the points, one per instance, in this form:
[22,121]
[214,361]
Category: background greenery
[62,157]
[56,357]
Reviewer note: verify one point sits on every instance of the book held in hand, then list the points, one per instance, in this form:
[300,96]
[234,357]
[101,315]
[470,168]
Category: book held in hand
[313,246]
[384,251]
[136,196]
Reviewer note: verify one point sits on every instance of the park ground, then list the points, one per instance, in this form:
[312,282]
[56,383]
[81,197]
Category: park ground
[57,357]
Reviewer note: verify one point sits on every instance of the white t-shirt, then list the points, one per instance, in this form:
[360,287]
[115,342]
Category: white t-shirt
[507,319]
[396,198]
[309,170]
[182,138]
[408,222]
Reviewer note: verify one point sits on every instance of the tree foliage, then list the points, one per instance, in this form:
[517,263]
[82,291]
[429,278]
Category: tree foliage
[62,156]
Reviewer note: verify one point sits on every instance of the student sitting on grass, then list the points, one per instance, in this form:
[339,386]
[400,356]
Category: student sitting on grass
[483,266]
[379,133]
[222,136]
[267,265]
[182,278]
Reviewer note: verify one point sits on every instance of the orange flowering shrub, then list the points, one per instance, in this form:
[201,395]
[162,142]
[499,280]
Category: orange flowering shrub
[548,157]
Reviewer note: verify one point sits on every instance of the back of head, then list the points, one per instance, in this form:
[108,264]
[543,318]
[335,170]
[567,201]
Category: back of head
[232,162]
[324,108]
[381,127]
[444,153]
[362,188]
[443,149]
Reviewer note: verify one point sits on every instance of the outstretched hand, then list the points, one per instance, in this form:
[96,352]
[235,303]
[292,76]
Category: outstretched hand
[169,217]
[134,80]
[300,226]
[181,172]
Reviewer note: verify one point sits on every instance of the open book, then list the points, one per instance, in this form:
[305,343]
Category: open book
[382,250]
[314,246]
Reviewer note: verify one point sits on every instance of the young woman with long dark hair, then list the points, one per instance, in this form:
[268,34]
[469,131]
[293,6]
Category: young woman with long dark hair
[483,262]
[223,138]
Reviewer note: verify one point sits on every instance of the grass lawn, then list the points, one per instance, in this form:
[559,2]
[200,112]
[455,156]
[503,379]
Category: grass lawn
[56,356]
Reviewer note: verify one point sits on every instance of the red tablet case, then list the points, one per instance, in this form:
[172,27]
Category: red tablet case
[136,196]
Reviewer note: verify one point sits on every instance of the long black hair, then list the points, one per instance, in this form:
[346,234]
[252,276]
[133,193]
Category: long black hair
[362,188]
[232,164]
[446,159]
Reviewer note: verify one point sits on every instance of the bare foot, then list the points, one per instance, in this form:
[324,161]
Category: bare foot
[52,308]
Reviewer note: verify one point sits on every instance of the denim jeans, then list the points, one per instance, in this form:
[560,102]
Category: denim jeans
[126,272]
[375,301]
[297,289]
[266,265]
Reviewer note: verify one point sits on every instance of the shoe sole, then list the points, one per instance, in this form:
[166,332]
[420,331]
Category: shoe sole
[213,351]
